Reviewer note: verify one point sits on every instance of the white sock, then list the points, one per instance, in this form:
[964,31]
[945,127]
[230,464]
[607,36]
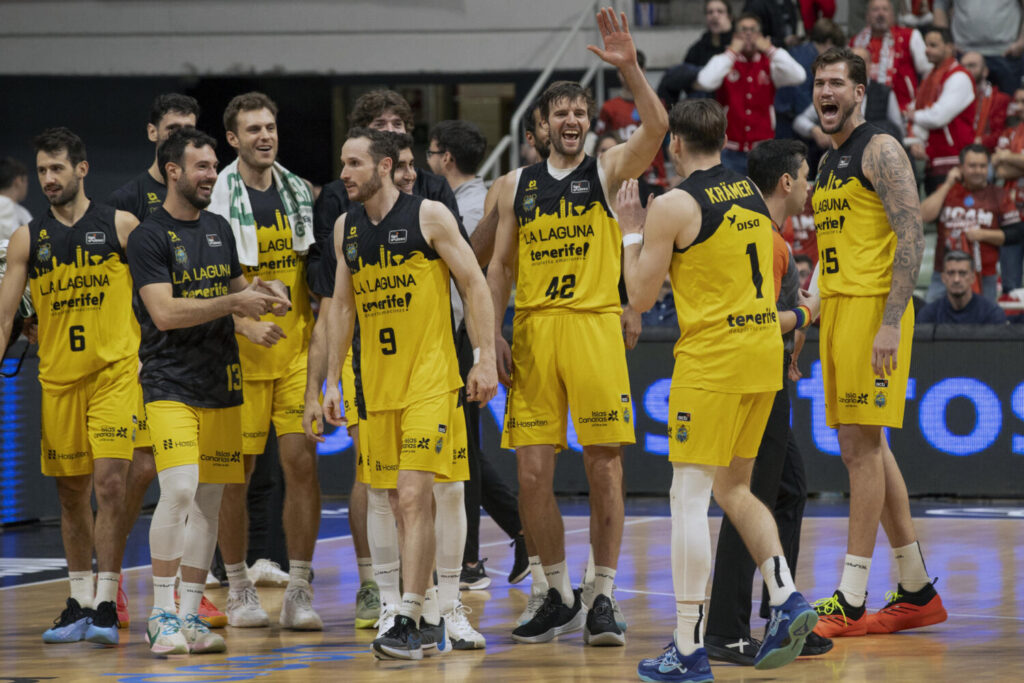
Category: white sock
[386,576]
[191,596]
[106,587]
[299,570]
[238,576]
[854,583]
[588,573]
[365,565]
[689,627]
[448,587]
[912,572]
[557,576]
[82,588]
[604,580]
[539,581]
[431,609]
[163,593]
[689,497]
[412,607]
[776,575]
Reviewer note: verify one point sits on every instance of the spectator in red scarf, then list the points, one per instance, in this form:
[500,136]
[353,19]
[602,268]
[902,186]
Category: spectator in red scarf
[990,103]
[897,53]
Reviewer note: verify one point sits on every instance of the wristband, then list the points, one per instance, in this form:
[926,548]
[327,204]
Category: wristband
[476,355]
[632,238]
[803,316]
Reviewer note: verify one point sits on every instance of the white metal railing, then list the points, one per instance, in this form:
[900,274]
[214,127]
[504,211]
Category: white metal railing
[489,170]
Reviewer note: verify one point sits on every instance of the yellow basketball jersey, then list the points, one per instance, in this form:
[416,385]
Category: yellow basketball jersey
[278,261]
[724,290]
[82,292]
[570,248]
[406,348]
[855,243]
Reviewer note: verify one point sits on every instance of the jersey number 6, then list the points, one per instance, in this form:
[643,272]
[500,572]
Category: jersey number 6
[76,334]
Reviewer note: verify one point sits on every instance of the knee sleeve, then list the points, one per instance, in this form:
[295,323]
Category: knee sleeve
[450,523]
[690,496]
[167,530]
[381,532]
[201,529]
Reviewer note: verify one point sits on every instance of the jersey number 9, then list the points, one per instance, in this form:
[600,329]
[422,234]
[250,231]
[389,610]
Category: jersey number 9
[387,341]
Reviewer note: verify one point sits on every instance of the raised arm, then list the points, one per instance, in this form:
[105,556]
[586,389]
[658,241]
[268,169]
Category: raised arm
[631,158]
[15,277]
[887,167]
[501,274]
[931,206]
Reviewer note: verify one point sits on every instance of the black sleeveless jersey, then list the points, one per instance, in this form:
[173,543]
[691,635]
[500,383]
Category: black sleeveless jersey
[197,365]
[140,196]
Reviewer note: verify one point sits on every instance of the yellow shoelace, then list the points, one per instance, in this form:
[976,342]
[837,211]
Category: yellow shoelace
[829,605]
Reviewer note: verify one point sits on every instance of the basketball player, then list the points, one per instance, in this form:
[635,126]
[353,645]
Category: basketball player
[867,277]
[556,223]
[74,257]
[713,237]
[271,210]
[394,253]
[188,280]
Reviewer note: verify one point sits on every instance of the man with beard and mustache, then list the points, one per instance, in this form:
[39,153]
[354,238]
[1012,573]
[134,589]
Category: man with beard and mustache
[189,283]
[566,290]
[395,255]
[867,277]
[270,211]
[897,52]
[74,256]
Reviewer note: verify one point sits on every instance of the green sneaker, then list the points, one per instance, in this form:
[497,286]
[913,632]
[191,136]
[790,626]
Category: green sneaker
[367,605]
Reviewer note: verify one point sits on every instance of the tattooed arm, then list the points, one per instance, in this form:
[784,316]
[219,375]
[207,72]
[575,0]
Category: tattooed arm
[886,165]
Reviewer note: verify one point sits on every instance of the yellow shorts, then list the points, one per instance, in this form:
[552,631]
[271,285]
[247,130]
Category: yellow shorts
[92,418]
[563,362]
[208,437]
[459,443]
[853,393]
[418,437]
[142,439]
[281,400]
[348,391]
[363,467]
[711,427]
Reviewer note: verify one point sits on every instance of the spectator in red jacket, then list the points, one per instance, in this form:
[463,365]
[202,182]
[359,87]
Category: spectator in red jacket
[990,103]
[1008,162]
[897,53]
[744,79]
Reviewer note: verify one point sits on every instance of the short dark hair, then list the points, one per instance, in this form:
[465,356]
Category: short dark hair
[700,123]
[168,102]
[10,170]
[944,33]
[957,255]
[404,140]
[561,90]
[976,148]
[803,258]
[827,31]
[856,69]
[728,6]
[751,15]
[464,141]
[172,150]
[250,101]
[374,103]
[771,159]
[529,126]
[382,144]
[53,140]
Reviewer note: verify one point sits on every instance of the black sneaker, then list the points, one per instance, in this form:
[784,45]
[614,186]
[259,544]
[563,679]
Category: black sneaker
[521,565]
[553,619]
[474,578]
[401,641]
[434,638]
[735,650]
[815,645]
[601,628]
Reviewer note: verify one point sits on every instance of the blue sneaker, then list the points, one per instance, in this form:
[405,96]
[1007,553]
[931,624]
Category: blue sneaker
[672,666]
[103,625]
[71,626]
[791,623]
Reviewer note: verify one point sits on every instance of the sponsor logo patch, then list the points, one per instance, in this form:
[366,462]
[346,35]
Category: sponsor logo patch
[398,236]
[213,240]
[579,186]
[95,238]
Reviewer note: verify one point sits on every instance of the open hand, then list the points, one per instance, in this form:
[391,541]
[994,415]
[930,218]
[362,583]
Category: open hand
[619,50]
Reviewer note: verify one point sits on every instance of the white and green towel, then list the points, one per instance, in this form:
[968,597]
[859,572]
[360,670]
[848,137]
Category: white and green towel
[230,199]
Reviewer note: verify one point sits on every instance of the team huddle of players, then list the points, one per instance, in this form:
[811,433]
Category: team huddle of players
[215,304]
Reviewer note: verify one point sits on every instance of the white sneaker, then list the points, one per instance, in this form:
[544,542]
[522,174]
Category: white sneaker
[244,609]
[387,619]
[460,632]
[164,633]
[297,611]
[532,605]
[268,573]
[199,637]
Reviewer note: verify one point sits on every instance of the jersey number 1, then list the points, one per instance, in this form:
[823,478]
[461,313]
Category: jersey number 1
[755,269]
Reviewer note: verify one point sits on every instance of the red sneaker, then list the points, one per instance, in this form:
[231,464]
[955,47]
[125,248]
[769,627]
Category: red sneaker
[907,610]
[208,611]
[122,604]
[836,618]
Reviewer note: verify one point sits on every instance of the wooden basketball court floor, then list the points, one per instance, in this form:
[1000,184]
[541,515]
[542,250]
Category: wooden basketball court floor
[979,562]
